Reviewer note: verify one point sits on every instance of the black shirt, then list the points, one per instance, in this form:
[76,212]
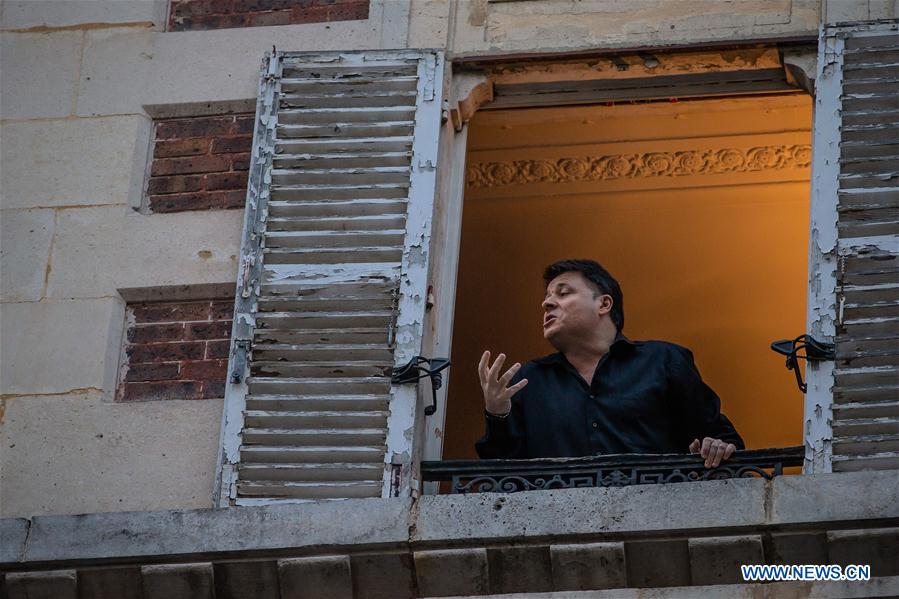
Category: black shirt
[645,397]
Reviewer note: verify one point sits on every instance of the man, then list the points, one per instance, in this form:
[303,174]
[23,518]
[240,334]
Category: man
[601,393]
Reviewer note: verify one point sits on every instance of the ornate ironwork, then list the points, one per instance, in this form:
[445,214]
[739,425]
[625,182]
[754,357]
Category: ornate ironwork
[511,476]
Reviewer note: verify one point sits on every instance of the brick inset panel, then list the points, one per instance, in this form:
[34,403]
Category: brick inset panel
[187,15]
[176,350]
[200,163]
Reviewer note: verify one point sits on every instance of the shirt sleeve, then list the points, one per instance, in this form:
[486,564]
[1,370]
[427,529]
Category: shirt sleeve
[505,437]
[699,405]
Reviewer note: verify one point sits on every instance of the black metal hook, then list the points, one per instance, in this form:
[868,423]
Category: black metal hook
[815,351]
[413,371]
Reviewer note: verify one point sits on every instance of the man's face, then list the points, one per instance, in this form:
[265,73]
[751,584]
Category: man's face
[570,310]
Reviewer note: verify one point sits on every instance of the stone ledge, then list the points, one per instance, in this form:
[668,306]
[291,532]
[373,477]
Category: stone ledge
[149,535]
[578,516]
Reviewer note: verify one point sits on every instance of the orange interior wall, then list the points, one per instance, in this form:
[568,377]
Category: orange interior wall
[719,266]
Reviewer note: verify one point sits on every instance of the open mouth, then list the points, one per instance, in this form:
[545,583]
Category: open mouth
[548,320]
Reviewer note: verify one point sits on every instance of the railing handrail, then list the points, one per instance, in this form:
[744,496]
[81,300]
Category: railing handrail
[445,470]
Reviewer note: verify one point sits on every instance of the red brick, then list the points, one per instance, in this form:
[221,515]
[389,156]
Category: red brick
[214,389]
[153,372]
[194,127]
[206,22]
[204,370]
[156,332]
[171,311]
[226,180]
[344,11]
[238,143]
[181,147]
[166,352]
[263,5]
[174,184]
[162,390]
[191,164]
[243,124]
[204,200]
[240,162]
[235,199]
[222,309]
[270,19]
[184,8]
[220,329]
[218,349]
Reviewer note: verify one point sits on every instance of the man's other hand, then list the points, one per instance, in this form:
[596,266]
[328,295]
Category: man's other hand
[497,393]
[713,450]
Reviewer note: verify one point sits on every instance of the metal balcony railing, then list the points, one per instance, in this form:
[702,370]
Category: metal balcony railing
[510,476]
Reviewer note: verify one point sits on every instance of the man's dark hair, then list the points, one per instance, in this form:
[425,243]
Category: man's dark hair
[596,274]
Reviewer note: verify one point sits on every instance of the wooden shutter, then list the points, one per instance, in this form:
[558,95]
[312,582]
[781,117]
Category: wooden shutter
[332,284]
[856,172]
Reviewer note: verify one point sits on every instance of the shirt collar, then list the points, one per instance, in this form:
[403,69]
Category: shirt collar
[620,342]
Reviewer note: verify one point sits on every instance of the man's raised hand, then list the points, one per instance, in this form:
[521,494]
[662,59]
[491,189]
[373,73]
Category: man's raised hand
[497,393]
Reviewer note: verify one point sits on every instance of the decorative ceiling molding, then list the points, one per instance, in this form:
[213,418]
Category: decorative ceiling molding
[633,166]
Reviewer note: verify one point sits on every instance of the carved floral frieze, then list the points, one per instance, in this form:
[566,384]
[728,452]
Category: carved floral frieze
[632,166]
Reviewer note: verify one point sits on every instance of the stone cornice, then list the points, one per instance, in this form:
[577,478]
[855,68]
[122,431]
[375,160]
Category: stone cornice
[633,166]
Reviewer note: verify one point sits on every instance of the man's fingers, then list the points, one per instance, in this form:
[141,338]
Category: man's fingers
[729,450]
[515,388]
[694,446]
[493,373]
[504,380]
[482,367]
[706,446]
[716,453]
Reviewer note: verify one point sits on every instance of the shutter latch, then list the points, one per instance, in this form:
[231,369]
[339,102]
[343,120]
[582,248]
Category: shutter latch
[413,371]
[241,349]
[815,351]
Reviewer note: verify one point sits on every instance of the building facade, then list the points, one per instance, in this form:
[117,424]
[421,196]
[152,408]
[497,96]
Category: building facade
[210,270]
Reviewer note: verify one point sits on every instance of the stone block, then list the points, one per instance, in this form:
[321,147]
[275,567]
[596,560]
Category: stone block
[125,69]
[54,584]
[640,508]
[326,577]
[588,566]
[60,346]
[484,26]
[27,14]
[835,497]
[158,533]
[110,583]
[13,532]
[448,572]
[99,250]
[74,162]
[662,563]
[876,547]
[883,9]
[95,456]
[383,575]
[238,580]
[181,581]
[841,11]
[519,569]
[795,548]
[717,560]
[39,74]
[25,238]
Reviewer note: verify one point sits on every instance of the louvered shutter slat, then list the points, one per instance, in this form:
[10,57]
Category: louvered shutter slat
[331,228]
[866,377]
